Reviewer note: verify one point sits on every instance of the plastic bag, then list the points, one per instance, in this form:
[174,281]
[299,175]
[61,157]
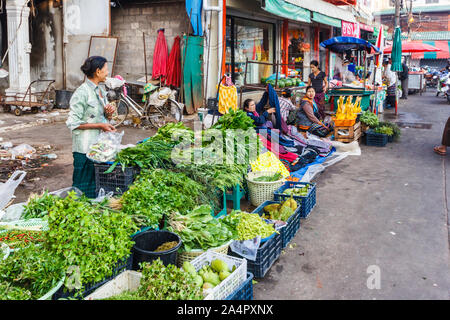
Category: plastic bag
[23,150]
[13,213]
[106,147]
[247,248]
[8,188]
[102,195]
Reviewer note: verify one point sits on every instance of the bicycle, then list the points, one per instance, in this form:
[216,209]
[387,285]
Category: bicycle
[159,109]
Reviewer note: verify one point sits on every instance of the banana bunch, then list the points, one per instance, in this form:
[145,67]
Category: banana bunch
[348,110]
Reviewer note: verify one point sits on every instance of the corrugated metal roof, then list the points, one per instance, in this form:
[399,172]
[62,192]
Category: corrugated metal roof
[435,35]
[417,9]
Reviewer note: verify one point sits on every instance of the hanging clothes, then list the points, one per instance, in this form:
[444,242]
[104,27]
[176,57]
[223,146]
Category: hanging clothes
[174,65]
[228,96]
[160,57]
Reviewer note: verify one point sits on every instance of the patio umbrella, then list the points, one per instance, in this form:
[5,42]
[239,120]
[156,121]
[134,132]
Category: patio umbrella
[411,47]
[396,54]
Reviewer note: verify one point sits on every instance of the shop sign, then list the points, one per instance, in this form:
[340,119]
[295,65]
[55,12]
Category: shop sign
[363,26]
[350,29]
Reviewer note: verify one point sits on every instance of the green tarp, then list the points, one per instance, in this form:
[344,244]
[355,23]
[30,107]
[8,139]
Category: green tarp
[286,10]
[321,18]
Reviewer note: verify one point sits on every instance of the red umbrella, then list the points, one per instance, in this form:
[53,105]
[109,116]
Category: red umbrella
[160,57]
[409,47]
[174,65]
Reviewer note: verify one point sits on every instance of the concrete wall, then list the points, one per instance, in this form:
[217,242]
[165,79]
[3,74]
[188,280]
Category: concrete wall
[129,22]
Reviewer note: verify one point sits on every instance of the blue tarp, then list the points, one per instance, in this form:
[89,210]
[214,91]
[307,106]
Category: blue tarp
[300,173]
[195,6]
[343,44]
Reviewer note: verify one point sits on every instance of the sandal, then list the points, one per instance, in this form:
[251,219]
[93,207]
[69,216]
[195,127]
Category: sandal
[439,152]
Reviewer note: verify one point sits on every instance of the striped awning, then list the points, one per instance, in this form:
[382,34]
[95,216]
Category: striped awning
[444,45]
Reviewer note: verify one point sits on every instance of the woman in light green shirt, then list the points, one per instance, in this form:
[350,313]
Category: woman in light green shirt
[89,111]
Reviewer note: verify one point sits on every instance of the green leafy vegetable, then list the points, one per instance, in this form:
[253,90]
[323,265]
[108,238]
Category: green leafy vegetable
[369,118]
[38,206]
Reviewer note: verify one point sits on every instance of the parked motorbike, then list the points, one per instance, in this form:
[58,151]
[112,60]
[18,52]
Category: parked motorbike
[431,77]
[442,86]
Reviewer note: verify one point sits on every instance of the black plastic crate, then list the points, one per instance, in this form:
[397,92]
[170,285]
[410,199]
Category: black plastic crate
[118,181]
[245,290]
[121,266]
[307,203]
[268,253]
[292,225]
[376,139]
[390,139]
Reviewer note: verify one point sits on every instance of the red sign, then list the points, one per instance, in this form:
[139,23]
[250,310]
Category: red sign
[363,26]
[350,29]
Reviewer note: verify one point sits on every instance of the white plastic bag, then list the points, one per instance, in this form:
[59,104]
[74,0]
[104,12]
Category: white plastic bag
[8,188]
[247,249]
[13,213]
[106,147]
[102,195]
[23,150]
[318,168]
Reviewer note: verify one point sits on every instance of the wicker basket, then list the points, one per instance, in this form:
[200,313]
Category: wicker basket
[191,255]
[261,192]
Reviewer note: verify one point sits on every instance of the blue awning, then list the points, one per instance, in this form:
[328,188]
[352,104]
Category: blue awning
[342,44]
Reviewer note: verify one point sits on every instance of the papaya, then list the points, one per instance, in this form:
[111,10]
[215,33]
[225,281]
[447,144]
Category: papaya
[219,265]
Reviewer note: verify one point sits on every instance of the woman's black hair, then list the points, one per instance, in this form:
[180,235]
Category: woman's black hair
[310,87]
[287,93]
[91,65]
[315,63]
[247,103]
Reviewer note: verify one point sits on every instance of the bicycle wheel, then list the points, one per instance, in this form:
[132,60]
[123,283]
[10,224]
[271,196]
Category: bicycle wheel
[176,110]
[121,113]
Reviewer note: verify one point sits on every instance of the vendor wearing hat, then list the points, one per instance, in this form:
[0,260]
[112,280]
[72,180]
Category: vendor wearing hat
[347,75]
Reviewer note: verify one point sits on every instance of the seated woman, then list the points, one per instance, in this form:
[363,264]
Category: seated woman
[308,119]
[257,112]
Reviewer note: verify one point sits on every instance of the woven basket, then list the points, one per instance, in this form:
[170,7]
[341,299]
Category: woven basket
[261,192]
[191,255]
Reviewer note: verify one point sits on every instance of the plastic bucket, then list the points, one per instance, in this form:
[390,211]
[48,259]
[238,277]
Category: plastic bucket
[63,99]
[147,242]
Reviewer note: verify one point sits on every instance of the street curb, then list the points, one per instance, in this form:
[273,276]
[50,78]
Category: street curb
[39,122]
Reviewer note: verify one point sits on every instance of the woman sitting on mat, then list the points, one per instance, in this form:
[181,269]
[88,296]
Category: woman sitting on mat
[307,117]
[257,112]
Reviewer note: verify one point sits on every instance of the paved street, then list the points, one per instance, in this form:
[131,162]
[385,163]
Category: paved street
[386,208]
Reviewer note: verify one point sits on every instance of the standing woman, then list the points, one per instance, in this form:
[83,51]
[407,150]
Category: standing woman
[318,80]
[89,110]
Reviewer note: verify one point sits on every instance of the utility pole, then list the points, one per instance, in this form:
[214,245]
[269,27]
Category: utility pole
[397,13]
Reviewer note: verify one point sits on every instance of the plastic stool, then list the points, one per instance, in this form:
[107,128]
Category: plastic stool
[236,197]
[224,211]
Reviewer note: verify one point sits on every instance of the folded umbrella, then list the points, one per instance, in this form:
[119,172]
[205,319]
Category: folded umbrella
[160,57]
[174,65]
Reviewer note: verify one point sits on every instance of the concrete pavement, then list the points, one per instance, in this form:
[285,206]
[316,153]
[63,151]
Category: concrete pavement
[384,211]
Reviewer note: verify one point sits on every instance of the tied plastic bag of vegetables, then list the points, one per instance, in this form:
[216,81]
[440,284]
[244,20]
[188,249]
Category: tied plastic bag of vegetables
[199,230]
[106,147]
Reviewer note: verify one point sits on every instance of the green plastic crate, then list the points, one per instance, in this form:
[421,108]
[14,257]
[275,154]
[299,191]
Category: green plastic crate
[366,97]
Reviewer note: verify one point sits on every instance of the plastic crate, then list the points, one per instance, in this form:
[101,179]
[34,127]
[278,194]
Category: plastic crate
[307,203]
[118,181]
[376,139]
[268,253]
[232,282]
[292,225]
[121,266]
[126,281]
[390,139]
[245,291]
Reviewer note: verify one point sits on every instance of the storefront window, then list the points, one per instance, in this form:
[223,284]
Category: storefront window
[252,40]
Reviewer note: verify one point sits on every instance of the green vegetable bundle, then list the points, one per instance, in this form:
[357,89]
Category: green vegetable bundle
[277,176]
[38,206]
[395,129]
[234,120]
[385,130]
[174,133]
[149,154]
[369,118]
[158,192]
[89,237]
[199,230]
[30,273]
[248,225]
